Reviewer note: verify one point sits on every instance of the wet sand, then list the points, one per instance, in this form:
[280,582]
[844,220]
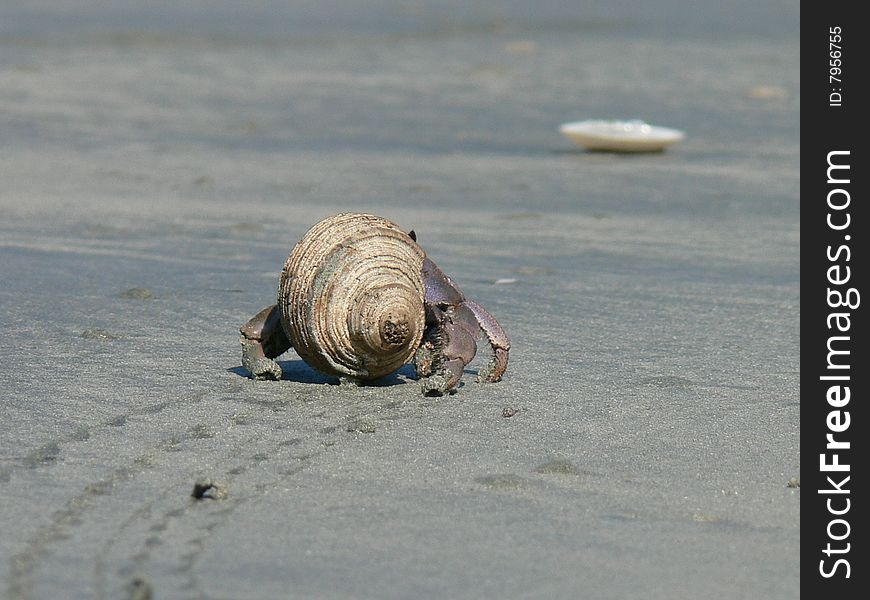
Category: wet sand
[157,168]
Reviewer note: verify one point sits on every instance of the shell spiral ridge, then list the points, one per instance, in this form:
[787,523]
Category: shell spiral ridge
[351,296]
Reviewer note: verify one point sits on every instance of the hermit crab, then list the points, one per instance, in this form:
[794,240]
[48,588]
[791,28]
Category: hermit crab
[358,298]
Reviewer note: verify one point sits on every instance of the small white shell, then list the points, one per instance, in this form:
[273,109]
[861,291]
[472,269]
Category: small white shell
[620,136]
[351,296]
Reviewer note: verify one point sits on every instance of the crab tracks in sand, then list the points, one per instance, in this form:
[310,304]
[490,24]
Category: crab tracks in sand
[139,517]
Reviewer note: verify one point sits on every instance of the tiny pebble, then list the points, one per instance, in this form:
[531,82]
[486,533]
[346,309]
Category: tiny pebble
[208,489]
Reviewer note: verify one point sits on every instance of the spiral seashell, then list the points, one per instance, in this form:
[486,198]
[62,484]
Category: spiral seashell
[351,296]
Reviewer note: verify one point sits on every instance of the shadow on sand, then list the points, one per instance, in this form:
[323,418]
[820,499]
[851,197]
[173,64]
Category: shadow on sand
[298,371]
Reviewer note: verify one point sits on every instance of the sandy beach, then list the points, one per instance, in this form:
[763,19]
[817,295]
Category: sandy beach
[159,161]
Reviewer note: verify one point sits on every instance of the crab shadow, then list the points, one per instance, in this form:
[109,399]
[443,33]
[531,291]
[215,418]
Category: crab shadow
[299,372]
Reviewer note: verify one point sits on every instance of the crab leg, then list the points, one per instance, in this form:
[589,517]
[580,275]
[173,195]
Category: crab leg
[498,341]
[263,339]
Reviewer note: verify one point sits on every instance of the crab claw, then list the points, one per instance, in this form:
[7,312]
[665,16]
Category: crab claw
[449,345]
[262,339]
